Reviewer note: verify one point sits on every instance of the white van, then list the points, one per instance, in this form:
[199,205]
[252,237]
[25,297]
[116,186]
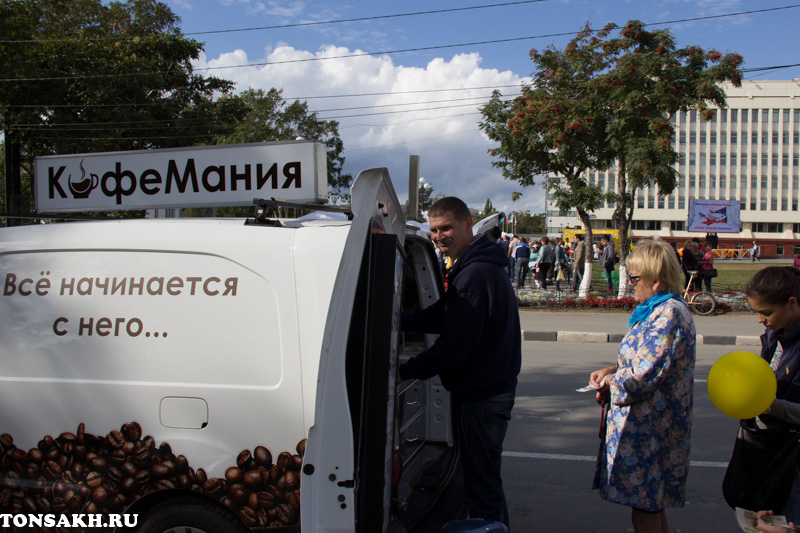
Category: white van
[212,374]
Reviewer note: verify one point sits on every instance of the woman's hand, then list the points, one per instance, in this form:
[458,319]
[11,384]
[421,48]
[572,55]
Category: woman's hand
[768,528]
[598,377]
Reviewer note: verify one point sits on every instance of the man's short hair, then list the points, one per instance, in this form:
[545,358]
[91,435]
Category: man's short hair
[579,237]
[605,238]
[450,204]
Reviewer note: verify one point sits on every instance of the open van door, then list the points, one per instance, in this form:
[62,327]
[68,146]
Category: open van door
[371,444]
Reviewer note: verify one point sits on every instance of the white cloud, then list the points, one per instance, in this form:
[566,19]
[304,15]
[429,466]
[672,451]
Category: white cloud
[453,151]
[183,4]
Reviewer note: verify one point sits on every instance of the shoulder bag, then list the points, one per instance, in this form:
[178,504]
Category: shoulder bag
[762,467]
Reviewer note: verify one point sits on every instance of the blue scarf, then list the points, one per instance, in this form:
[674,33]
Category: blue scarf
[644,309]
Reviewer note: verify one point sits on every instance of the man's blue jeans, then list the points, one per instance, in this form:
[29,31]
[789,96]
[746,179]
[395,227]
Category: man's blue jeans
[609,281]
[512,272]
[482,428]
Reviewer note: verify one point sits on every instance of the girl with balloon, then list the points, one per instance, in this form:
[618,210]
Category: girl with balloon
[774,294]
[644,458]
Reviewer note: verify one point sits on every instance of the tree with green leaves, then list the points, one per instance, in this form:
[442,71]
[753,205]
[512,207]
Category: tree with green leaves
[267,117]
[488,209]
[87,76]
[83,76]
[606,102]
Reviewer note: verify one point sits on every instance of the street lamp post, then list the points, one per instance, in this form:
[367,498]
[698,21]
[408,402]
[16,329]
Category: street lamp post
[424,194]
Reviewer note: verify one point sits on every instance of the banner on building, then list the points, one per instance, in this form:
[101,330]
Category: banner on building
[714,216]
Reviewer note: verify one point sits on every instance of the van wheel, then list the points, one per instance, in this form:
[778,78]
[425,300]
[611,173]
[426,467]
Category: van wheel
[189,515]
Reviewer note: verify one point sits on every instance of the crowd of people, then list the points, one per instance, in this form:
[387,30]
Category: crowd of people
[697,263]
[551,262]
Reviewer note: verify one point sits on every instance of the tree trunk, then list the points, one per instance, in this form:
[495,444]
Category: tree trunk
[586,282]
[623,213]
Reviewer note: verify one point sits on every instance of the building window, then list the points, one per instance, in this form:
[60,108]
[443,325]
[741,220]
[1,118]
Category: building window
[796,248]
[767,227]
[754,115]
[784,204]
[682,137]
[702,137]
[677,225]
[734,115]
[779,249]
[734,137]
[646,225]
[774,137]
[796,229]
[754,138]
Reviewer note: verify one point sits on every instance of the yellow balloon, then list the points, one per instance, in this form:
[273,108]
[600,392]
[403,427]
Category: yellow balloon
[741,385]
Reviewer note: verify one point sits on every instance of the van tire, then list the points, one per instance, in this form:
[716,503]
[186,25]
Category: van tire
[187,514]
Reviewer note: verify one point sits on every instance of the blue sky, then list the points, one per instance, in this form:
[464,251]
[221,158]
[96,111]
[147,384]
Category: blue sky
[441,87]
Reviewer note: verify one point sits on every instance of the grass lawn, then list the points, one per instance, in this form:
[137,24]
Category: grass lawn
[733,275]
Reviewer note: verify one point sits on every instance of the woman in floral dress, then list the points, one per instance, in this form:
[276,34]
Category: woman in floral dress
[644,458]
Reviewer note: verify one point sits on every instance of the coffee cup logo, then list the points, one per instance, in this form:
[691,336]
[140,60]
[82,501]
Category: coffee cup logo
[82,187]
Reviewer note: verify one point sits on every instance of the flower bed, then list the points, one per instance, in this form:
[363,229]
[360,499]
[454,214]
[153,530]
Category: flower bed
[729,301]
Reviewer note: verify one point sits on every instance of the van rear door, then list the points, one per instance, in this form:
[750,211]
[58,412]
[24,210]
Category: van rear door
[366,447]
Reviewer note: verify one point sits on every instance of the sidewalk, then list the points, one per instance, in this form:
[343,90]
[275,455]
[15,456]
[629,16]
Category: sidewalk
[739,329]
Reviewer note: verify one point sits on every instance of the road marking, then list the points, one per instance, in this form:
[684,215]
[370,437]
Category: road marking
[592,458]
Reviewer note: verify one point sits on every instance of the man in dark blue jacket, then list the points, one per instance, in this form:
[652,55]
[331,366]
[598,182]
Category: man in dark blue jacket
[477,354]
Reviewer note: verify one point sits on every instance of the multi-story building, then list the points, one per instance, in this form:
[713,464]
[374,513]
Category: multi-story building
[748,152]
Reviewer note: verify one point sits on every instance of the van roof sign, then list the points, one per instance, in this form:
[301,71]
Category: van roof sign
[200,176]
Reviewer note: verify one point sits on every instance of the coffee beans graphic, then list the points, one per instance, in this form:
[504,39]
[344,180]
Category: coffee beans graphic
[84,473]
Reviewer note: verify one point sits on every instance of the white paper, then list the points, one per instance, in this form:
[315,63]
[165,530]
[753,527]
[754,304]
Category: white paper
[588,388]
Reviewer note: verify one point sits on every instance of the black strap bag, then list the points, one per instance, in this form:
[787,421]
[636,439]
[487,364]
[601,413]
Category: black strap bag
[762,468]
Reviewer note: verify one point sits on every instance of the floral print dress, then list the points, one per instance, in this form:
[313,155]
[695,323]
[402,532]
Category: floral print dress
[644,459]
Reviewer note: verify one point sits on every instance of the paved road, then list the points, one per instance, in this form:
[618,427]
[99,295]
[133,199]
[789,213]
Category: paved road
[553,441]
[602,321]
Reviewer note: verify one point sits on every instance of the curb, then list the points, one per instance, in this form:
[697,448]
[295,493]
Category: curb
[584,337]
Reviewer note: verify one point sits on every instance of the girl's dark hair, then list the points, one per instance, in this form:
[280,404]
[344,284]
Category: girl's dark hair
[775,285]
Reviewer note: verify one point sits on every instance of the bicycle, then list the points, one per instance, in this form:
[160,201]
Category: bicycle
[702,302]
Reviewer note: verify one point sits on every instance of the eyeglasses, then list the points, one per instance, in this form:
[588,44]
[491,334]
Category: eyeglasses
[634,279]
